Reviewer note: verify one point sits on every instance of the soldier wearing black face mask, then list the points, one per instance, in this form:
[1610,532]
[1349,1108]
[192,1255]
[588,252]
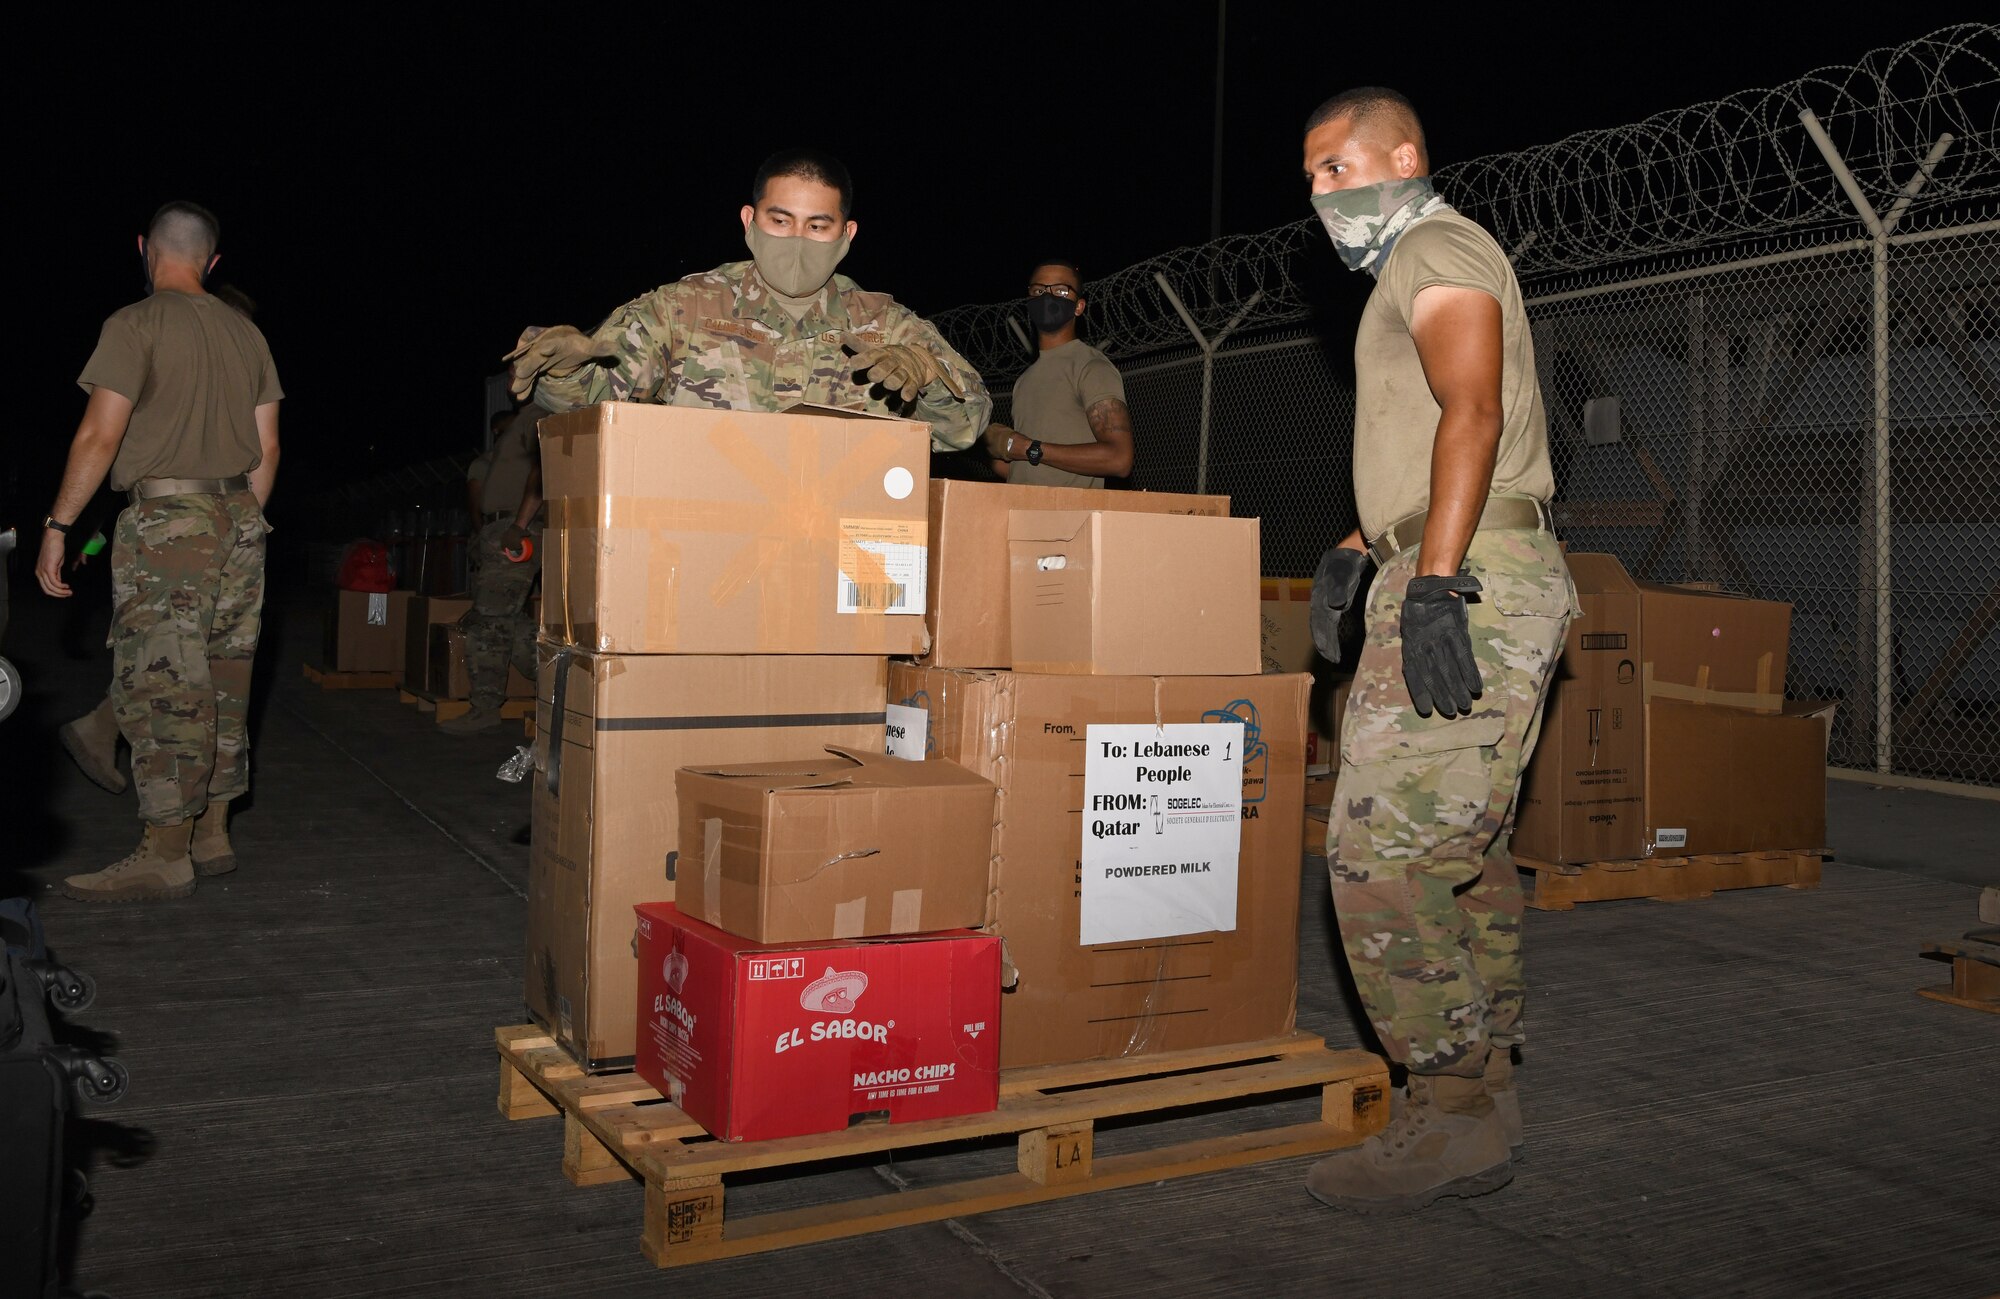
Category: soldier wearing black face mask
[1072,425]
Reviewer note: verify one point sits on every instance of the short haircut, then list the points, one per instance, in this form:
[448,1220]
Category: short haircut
[807,164]
[187,231]
[1378,110]
[1063,262]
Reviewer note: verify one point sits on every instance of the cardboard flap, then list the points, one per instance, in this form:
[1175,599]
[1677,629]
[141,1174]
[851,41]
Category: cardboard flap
[835,412]
[1600,575]
[1047,525]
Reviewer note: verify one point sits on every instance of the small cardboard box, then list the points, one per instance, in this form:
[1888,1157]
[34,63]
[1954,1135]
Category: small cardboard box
[848,845]
[1724,780]
[690,530]
[1286,643]
[427,612]
[365,631]
[1714,648]
[1583,797]
[450,679]
[1025,733]
[1108,594]
[755,1041]
[610,730]
[968,611]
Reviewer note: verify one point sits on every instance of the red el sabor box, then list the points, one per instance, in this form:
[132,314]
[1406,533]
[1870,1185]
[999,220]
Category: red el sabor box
[756,1040]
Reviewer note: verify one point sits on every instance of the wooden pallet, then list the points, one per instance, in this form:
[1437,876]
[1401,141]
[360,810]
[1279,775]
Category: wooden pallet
[617,1127]
[1975,971]
[446,709]
[1557,887]
[329,680]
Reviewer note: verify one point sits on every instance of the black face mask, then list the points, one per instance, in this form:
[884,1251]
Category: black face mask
[1049,313]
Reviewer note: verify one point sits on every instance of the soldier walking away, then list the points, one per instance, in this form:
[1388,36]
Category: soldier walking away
[183,415]
[1074,429]
[1464,624]
[504,489]
[770,332]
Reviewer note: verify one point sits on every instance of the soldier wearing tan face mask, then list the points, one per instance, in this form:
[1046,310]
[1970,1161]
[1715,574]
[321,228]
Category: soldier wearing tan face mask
[766,333]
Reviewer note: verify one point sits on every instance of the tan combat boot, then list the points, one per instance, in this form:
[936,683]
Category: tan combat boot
[482,717]
[1499,1082]
[92,740]
[159,868]
[210,848]
[1447,1142]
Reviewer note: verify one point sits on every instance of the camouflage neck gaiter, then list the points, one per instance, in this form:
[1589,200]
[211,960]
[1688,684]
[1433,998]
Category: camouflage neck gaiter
[1365,222]
[793,265]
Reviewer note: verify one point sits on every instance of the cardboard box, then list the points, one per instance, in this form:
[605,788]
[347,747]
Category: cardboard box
[1712,647]
[1025,733]
[755,1041]
[1111,594]
[425,613]
[1286,642]
[690,530]
[365,631]
[1583,797]
[610,732]
[448,675]
[968,610]
[1724,780]
[846,845]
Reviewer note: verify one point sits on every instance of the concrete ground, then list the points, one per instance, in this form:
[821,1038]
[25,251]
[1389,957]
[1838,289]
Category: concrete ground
[1739,1096]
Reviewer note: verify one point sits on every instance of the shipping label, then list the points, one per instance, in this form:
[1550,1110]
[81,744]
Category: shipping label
[1162,830]
[884,566]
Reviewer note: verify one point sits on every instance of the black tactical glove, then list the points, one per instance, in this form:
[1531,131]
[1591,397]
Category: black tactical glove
[1437,645]
[1339,577]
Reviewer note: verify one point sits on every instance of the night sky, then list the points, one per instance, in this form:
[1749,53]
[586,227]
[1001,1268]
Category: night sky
[402,195]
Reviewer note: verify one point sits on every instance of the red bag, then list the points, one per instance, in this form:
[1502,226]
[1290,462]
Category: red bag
[365,567]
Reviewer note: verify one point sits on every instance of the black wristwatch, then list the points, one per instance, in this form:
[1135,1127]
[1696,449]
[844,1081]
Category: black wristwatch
[1034,456]
[49,521]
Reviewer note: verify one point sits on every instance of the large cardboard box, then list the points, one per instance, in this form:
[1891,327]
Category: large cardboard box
[1723,780]
[1713,647]
[447,673]
[365,631]
[1583,797]
[846,845]
[1026,733]
[688,530]
[425,613]
[1286,641]
[968,610]
[1110,594]
[755,1041]
[611,730]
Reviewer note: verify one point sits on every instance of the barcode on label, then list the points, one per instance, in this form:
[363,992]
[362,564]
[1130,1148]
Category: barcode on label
[876,597]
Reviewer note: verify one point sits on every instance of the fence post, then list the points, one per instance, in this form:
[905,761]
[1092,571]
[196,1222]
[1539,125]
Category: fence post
[1207,346]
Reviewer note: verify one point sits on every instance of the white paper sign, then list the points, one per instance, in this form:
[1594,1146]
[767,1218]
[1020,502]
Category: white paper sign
[909,732]
[1162,829]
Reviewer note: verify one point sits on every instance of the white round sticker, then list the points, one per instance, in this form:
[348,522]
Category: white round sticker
[899,483]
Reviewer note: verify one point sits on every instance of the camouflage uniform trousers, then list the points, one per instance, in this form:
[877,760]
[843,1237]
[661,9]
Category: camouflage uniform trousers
[1424,885]
[499,627]
[187,586]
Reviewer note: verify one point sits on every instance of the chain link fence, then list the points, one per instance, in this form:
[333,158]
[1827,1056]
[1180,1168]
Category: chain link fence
[1782,311]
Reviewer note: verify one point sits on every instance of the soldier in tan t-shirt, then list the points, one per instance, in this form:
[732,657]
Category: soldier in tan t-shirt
[1071,425]
[1464,623]
[183,414]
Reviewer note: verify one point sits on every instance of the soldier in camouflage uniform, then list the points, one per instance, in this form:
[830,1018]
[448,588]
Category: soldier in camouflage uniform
[183,414]
[504,489]
[1464,625]
[764,334]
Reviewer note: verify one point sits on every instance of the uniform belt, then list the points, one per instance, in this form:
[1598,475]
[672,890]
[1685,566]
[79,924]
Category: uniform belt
[1500,512]
[148,489]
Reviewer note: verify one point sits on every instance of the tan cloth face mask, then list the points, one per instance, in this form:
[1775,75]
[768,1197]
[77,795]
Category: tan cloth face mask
[794,265]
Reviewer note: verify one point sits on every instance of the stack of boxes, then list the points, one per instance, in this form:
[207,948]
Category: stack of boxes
[1667,732]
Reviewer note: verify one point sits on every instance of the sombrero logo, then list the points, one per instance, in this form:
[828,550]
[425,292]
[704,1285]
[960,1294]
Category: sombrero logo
[676,970]
[835,992]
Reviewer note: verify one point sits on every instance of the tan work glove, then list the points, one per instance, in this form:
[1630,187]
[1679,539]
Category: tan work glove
[997,437]
[559,351]
[899,368]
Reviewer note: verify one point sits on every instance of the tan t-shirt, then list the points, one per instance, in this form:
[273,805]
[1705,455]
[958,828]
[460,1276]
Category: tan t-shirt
[1050,401]
[195,370]
[1395,415]
[505,469]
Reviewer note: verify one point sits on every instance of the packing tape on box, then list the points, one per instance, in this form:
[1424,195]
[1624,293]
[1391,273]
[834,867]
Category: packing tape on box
[558,714]
[711,870]
[1761,700]
[850,918]
[906,911]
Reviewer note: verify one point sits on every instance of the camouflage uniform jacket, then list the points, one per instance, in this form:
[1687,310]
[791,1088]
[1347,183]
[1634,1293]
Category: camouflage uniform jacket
[720,339]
